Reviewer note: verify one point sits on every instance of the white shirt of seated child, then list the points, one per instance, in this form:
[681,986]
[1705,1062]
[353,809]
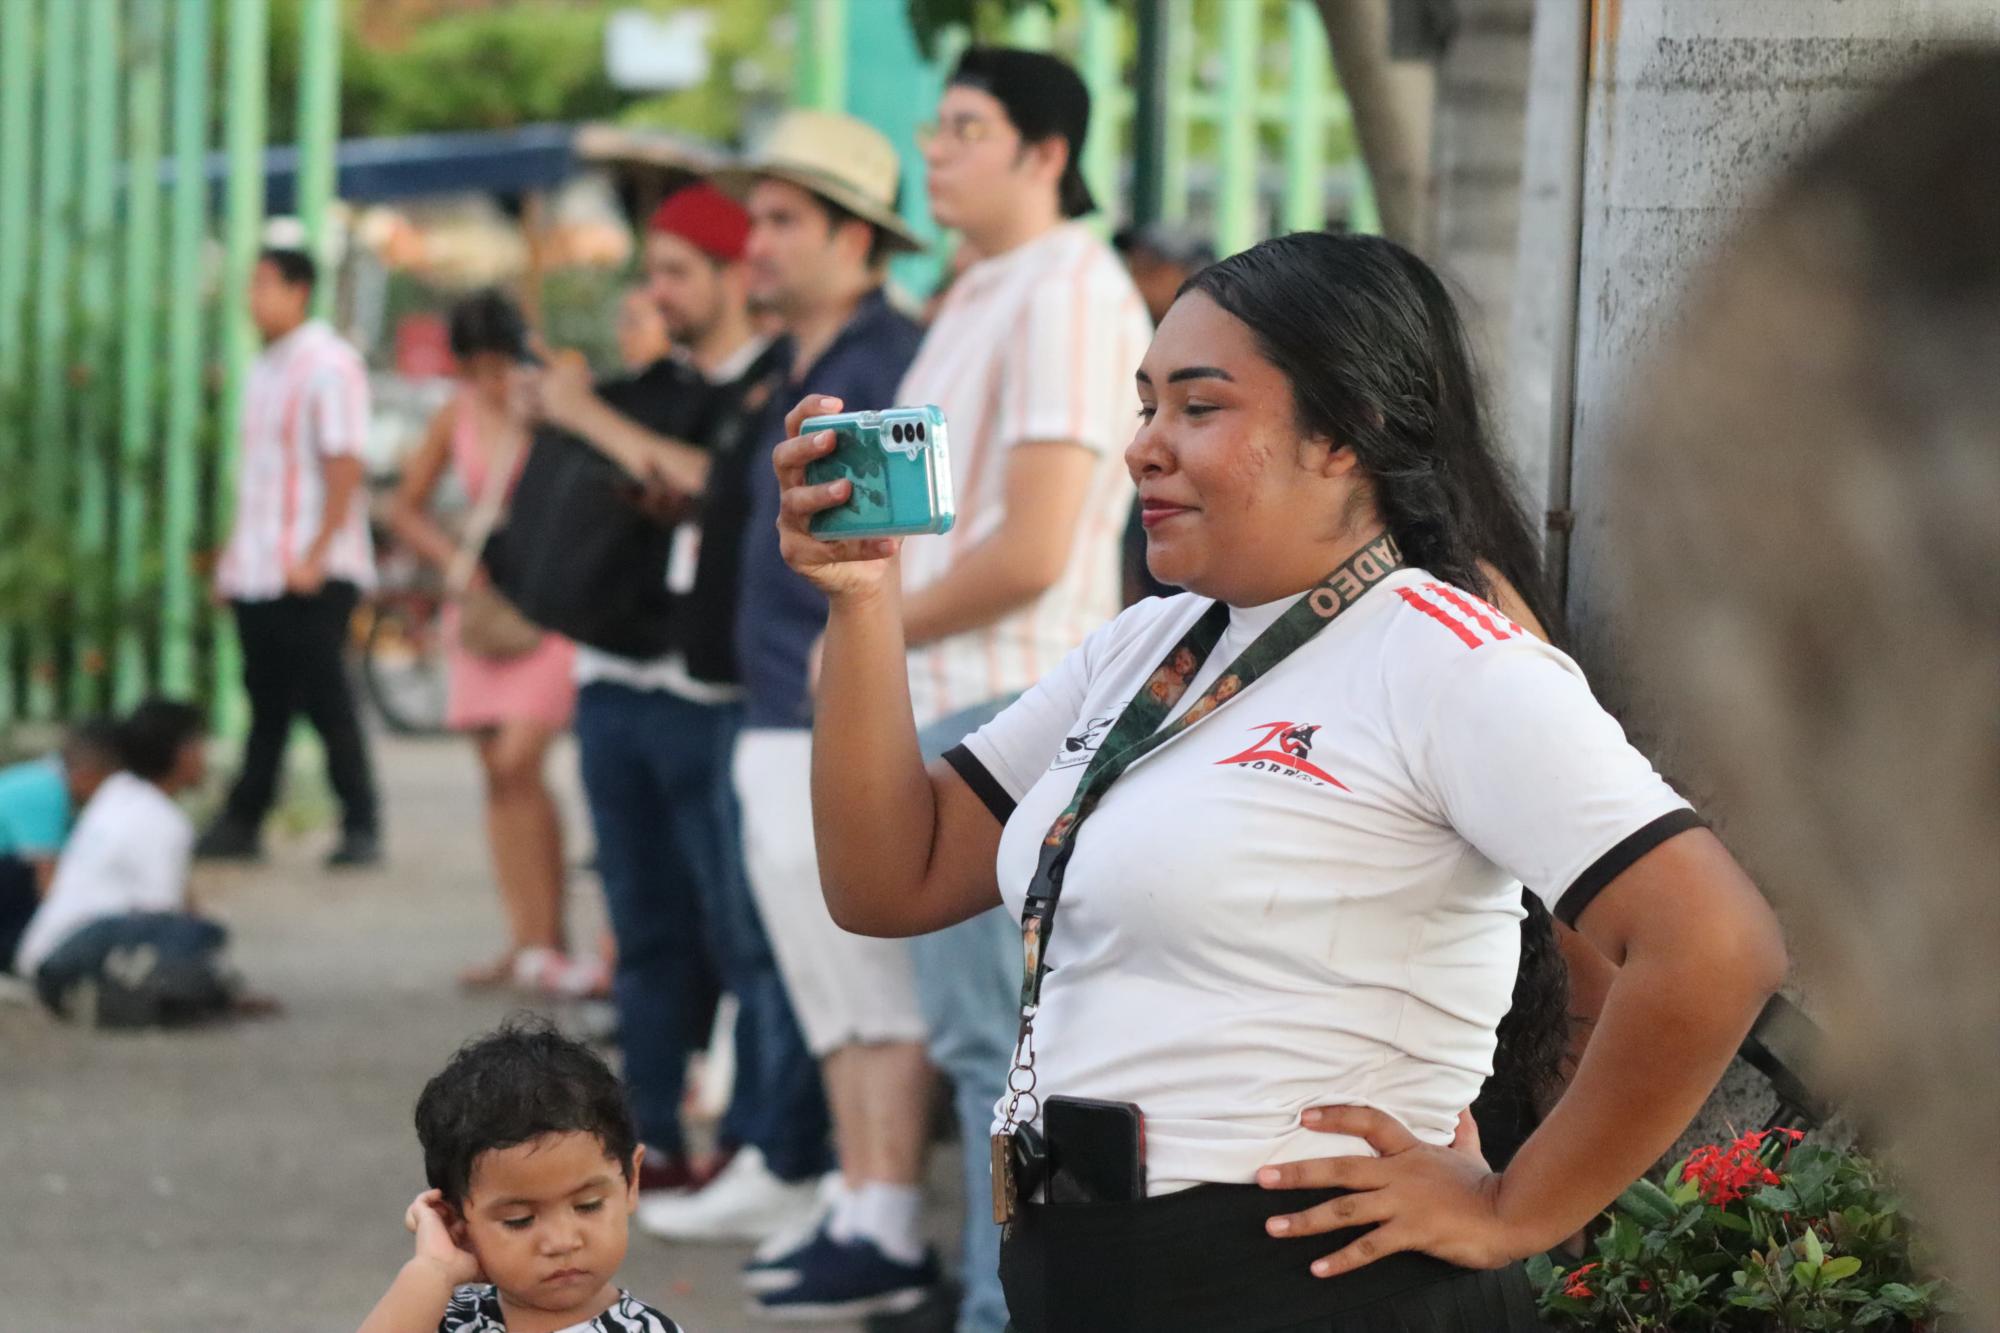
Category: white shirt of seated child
[129,853]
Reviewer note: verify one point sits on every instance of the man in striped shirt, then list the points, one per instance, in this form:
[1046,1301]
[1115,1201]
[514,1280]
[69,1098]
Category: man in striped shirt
[298,560]
[1031,357]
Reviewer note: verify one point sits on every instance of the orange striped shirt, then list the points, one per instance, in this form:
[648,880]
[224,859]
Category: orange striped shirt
[1036,344]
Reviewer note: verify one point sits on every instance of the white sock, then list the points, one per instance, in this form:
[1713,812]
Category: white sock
[839,1199]
[885,1214]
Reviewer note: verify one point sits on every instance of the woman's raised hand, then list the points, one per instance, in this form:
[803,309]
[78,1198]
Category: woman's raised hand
[1415,1196]
[837,568]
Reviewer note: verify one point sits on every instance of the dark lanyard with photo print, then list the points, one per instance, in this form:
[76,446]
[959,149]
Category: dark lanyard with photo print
[1137,734]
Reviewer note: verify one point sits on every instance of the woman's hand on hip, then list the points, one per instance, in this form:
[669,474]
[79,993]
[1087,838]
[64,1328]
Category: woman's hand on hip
[1443,1202]
[836,568]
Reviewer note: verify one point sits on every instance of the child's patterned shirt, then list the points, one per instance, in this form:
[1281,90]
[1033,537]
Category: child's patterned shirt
[476,1309]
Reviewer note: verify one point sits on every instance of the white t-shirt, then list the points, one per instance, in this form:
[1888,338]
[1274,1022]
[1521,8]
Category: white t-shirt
[129,853]
[1311,896]
[1039,343]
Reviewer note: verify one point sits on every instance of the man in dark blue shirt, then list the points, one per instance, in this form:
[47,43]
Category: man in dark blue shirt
[779,616]
[821,196]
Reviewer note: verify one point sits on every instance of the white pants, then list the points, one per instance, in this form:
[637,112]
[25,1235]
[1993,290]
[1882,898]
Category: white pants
[847,989]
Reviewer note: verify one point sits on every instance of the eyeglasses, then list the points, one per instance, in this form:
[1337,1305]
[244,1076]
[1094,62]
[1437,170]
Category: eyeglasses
[964,130]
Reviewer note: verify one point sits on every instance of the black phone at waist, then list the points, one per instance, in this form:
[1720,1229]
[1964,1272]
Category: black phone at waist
[1096,1150]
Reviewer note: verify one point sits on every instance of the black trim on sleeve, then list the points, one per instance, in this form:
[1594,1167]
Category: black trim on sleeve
[1620,859]
[983,784]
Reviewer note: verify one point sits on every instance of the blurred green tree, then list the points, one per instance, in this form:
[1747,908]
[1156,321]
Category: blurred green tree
[495,64]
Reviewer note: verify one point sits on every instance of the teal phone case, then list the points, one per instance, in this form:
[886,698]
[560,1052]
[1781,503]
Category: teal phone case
[900,464]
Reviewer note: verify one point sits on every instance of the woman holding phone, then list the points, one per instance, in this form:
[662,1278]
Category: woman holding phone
[1267,839]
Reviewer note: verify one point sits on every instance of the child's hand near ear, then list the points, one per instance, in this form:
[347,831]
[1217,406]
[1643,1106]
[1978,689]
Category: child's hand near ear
[430,1218]
[417,1299]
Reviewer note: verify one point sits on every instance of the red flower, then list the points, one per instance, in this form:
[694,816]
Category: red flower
[1576,1288]
[1726,1175]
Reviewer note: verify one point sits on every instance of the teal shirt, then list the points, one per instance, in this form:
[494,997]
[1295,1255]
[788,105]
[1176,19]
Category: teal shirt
[34,808]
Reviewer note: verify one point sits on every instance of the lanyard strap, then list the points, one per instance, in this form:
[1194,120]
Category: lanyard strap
[1138,732]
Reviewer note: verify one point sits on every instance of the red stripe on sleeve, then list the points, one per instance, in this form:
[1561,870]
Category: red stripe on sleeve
[1417,599]
[1475,609]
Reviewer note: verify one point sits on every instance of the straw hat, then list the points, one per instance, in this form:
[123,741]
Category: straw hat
[839,158]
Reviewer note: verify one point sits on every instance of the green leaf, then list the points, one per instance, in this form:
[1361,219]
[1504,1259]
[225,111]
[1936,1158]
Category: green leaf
[1649,1203]
[1803,1273]
[1814,1251]
[1836,1269]
[1904,1299]
[1690,1219]
[1562,1304]
[1776,1199]
[1541,1271]
[1728,1220]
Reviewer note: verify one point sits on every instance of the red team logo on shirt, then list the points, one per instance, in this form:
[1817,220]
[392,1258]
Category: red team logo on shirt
[1282,749]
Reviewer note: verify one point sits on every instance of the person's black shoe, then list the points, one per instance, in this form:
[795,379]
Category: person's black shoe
[357,851]
[227,840]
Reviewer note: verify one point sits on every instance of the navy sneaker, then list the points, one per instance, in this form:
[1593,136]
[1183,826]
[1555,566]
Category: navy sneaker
[850,1279]
[774,1265]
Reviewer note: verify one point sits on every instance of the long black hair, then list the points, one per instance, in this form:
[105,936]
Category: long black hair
[1378,362]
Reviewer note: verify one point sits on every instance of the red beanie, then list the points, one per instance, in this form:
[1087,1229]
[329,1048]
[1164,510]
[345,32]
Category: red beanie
[705,218]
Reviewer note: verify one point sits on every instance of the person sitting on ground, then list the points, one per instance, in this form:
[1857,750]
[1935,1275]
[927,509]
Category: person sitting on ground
[38,801]
[114,943]
[533,1165]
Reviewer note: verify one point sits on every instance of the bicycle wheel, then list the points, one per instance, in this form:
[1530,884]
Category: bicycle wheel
[402,666]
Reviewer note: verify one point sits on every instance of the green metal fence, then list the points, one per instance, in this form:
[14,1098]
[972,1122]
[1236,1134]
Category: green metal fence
[1254,135]
[122,345]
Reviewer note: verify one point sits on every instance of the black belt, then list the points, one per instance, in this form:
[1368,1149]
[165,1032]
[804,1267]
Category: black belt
[1200,1261]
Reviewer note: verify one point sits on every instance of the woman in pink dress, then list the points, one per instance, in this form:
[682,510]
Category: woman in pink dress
[516,707]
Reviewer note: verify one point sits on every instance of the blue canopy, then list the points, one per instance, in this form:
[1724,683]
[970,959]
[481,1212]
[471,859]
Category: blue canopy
[533,157]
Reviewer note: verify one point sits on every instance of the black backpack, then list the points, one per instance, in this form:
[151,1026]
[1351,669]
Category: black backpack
[577,555]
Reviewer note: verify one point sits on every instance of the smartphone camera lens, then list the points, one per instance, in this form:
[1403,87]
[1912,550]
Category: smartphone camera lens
[920,430]
[896,431]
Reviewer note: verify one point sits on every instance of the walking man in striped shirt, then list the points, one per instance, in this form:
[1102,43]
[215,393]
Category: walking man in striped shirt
[298,560]
[1031,357]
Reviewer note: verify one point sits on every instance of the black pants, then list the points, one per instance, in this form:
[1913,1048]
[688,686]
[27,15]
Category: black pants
[18,901]
[293,663]
[1199,1261]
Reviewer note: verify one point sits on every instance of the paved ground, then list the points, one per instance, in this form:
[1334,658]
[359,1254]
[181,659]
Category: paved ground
[254,1178]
